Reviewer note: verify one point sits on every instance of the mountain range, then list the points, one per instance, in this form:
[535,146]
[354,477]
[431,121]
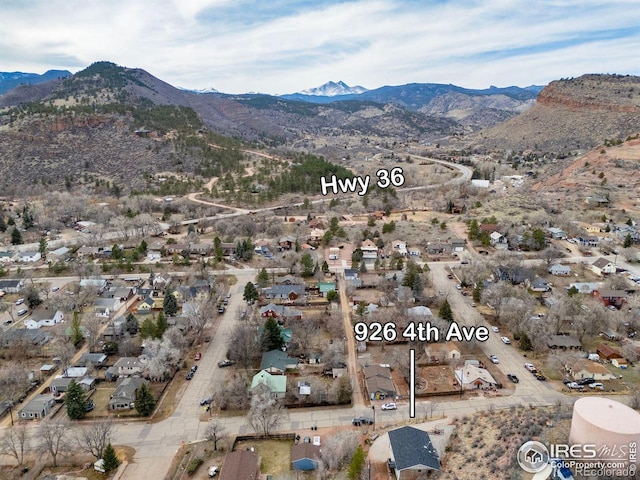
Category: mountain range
[9,80]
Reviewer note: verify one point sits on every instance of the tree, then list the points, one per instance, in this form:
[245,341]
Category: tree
[445,311]
[325,267]
[262,279]
[42,247]
[94,438]
[53,438]
[307,265]
[16,236]
[266,413]
[474,230]
[33,297]
[131,324]
[628,241]
[271,338]
[76,401]
[169,304]
[145,403]
[148,329]
[215,432]
[110,458]
[243,346]
[76,332]
[250,293]
[15,442]
[161,324]
[3,225]
[332,296]
[357,464]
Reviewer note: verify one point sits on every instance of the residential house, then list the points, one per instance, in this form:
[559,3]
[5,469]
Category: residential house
[275,384]
[95,359]
[305,456]
[615,298]
[58,255]
[124,394]
[557,233]
[442,352]
[28,257]
[471,377]
[277,362]
[498,241]
[607,353]
[241,465]
[458,244]
[228,249]
[11,286]
[39,407]
[6,257]
[60,384]
[412,455]
[289,280]
[284,292]
[378,382]
[588,240]
[75,372]
[564,342]
[436,248]
[104,307]
[586,288]
[479,183]
[146,305]
[123,294]
[24,335]
[351,276]
[602,266]
[488,228]
[399,246]
[584,368]
[177,248]
[515,275]
[128,366]
[154,255]
[539,285]
[619,362]
[369,250]
[316,235]
[280,311]
[419,311]
[287,243]
[92,252]
[100,284]
[326,287]
[202,249]
[115,329]
[560,270]
[43,318]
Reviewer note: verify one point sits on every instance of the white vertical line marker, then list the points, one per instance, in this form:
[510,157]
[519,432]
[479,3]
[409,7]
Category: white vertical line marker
[412,383]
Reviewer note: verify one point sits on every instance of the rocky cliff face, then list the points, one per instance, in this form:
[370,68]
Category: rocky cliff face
[573,114]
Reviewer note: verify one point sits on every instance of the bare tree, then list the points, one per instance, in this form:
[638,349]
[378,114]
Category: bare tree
[163,357]
[94,438]
[266,413]
[215,432]
[91,324]
[15,442]
[550,255]
[243,345]
[339,448]
[53,438]
[234,393]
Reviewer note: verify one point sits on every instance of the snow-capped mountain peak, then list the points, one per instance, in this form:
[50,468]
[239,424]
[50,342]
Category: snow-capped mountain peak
[201,90]
[331,89]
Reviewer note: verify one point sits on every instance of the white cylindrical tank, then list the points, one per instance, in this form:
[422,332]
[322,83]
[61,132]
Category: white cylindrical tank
[610,425]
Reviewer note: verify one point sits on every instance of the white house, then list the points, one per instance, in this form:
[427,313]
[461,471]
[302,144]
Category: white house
[6,257]
[58,254]
[557,269]
[480,183]
[369,250]
[498,241]
[43,318]
[154,255]
[29,257]
[472,377]
[400,247]
[602,266]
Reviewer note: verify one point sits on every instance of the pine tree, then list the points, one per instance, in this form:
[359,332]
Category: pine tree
[76,401]
[445,312]
[145,403]
[110,458]
[250,292]
[148,329]
[16,236]
[76,332]
[307,265]
[3,225]
[262,279]
[271,338]
[170,304]
[628,241]
[161,325]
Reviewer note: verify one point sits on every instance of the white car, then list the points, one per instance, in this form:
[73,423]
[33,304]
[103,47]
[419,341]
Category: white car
[494,359]
[459,287]
[530,367]
[495,329]
[506,340]
[213,471]
[389,406]
[20,301]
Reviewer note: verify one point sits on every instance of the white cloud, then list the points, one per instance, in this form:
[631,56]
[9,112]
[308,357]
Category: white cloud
[230,46]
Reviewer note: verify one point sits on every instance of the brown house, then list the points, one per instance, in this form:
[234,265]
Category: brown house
[241,465]
[608,353]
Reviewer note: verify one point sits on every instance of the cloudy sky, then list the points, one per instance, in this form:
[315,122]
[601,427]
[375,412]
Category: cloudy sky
[284,46]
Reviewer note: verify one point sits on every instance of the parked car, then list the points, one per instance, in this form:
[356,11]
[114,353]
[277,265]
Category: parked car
[198,356]
[90,406]
[225,363]
[574,385]
[495,329]
[530,367]
[450,277]
[506,340]
[55,289]
[362,421]
[513,378]
[494,359]
[213,471]
[389,406]
[20,301]
[22,311]
[205,401]
[459,287]
[540,377]
[596,386]
[189,376]
[194,368]
[585,381]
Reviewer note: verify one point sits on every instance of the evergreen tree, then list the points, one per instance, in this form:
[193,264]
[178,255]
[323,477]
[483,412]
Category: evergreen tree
[474,230]
[477,292]
[3,225]
[42,247]
[325,267]
[76,401]
[76,332]
[262,279]
[357,464]
[363,267]
[169,304]
[218,251]
[16,236]
[161,325]
[145,403]
[148,328]
[33,298]
[110,458]
[445,312]
[116,252]
[628,241]
[271,338]
[250,293]
[332,296]
[307,265]
[131,324]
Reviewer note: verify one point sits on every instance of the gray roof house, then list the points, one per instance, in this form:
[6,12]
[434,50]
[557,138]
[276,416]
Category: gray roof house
[39,407]
[60,384]
[378,382]
[95,359]
[284,292]
[11,286]
[277,361]
[557,269]
[127,366]
[125,393]
[412,453]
